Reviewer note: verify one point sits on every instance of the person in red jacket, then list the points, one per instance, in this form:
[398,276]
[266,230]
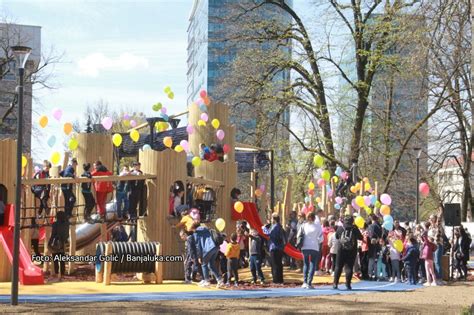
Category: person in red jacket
[101,188]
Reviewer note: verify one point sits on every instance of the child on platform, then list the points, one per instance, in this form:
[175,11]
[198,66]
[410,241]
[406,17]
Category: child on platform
[233,253]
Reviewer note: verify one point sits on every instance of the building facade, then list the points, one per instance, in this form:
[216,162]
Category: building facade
[11,35]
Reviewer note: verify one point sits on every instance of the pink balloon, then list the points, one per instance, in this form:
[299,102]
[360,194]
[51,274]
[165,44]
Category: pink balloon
[185,145]
[107,123]
[321,182]
[355,205]
[330,193]
[199,102]
[367,200]
[424,189]
[133,123]
[57,114]
[309,209]
[344,175]
[37,169]
[203,94]
[204,117]
[190,129]
[220,134]
[163,110]
[386,199]
[226,148]
[262,187]
[338,200]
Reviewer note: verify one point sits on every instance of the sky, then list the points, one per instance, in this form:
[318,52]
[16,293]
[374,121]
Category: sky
[124,52]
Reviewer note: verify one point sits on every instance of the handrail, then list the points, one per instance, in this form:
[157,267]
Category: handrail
[198,180]
[78,180]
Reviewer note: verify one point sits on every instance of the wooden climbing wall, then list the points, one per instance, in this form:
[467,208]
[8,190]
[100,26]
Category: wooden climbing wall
[169,166]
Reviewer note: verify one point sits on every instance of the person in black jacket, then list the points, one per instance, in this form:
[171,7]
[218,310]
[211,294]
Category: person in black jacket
[67,189]
[57,242]
[347,235]
[86,189]
[462,243]
[189,256]
[41,192]
[137,195]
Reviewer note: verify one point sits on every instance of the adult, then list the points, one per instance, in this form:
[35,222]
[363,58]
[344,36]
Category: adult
[440,238]
[462,243]
[276,245]
[41,192]
[137,192]
[291,230]
[312,235]
[348,235]
[86,189]
[57,242]
[206,252]
[101,188]
[374,234]
[399,230]
[121,194]
[67,189]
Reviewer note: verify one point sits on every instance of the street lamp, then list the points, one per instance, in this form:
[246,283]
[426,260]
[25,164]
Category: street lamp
[21,53]
[418,154]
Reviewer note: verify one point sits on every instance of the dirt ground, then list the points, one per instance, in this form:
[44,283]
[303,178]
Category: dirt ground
[452,299]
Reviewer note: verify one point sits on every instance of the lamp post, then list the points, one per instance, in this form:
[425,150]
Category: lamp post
[21,53]
[418,151]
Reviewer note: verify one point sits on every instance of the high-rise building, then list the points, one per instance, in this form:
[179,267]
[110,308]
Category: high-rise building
[210,57]
[12,35]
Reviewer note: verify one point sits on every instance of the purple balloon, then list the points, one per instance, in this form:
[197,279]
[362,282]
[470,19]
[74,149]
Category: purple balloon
[126,117]
[367,200]
[338,200]
[163,110]
[355,205]
[386,199]
[262,187]
[133,123]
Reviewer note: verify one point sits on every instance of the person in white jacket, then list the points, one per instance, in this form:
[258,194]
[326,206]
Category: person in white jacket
[312,234]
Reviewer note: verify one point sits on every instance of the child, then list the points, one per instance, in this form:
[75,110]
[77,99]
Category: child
[41,192]
[232,253]
[177,195]
[410,259]
[102,189]
[242,240]
[187,222]
[35,237]
[121,195]
[189,256]
[382,260]
[427,254]
[334,246]
[67,189]
[87,192]
[255,257]
[395,260]
[202,150]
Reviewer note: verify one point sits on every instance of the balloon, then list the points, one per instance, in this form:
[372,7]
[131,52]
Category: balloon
[387,218]
[311,185]
[318,160]
[424,189]
[365,179]
[167,89]
[321,182]
[220,134]
[189,129]
[157,107]
[168,142]
[359,222]
[204,117]
[117,139]
[368,210]
[386,199]
[262,188]
[51,141]
[24,161]
[353,189]
[355,205]
[239,207]
[337,206]
[306,199]
[338,200]
[164,116]
[344,175]
[367,186]
[311,192]
[201,123]
[378,204]
[367,200]
[57,114]
[73,144]
[133,123]
[357,185]
[215,123]
[203,93]
[126,123]
[43,121]
[161,126]
[164,110]
[360,201]
[318,199]
[107,123]
[385,210]
[126,117]
[67,128]
[258,193]
[170,95]
[185,145]
[146,147]
[207,101]
[55,158]
[338,171]
[220,224]
[398,245]
[326,175]
[196,161]
[335,179]
[388,226]
[226,148]
[135,135]
[373,199]
[178,148]
[203,107]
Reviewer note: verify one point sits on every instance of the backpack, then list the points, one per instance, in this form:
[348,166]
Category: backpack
[346,240]
[217,237]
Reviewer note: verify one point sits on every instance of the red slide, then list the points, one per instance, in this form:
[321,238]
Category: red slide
[29,273]
[250,214]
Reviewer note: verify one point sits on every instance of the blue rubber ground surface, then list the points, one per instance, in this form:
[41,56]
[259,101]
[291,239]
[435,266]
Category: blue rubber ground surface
[358,288]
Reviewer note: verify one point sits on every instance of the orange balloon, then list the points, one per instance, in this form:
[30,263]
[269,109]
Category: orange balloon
[67,128]
[168,142]
[385,210]
[207,101]
[239,207]
[353,189]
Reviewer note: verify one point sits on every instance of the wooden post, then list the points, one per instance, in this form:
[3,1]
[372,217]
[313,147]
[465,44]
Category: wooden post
[108,264]
[253,177]
[158,266]
[47,235]
[72,244]
[103,232]
[324,198]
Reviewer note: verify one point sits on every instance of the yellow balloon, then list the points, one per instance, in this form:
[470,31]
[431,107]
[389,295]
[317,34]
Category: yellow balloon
[170,95]
[43,121]
[367,186]
[24,161]
[55,158]
[359,222]
[398,244]
[311,185]
[335,179]
[220,224]
[178,148]
[360,201]
[201,123]
[215,123]
[239,207]
[353,189]
[135,135]
[318,199]
[368,210]
[73,144]
[117,139]
[167,89]
[196,161]
[168,142]
[67,128]
[126,123]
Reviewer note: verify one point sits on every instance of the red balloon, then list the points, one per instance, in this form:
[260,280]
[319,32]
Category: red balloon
[203,94]
[424,189]
[311,192]
[226,148]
